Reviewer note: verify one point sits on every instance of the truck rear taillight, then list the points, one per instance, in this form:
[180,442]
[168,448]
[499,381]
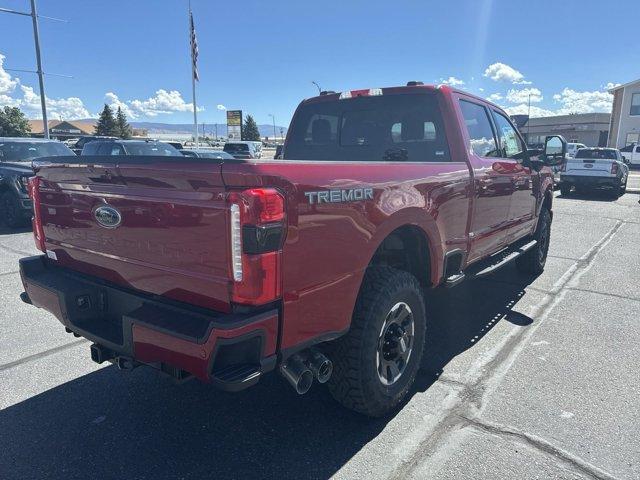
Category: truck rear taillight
[38,229]
[257,228]
[614,168]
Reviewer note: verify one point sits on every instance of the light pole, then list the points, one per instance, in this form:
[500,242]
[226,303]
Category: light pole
[36,39]
[318,87]
[529,121]
[274,128]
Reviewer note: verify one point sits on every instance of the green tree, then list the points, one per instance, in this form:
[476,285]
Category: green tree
[250,130]
[124,130]
[13,123]
[106,123]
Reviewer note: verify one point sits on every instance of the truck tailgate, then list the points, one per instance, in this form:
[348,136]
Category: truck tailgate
[589,167]
[170,238]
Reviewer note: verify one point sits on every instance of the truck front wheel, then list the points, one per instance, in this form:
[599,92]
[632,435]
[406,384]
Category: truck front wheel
[376,363]
[534,260]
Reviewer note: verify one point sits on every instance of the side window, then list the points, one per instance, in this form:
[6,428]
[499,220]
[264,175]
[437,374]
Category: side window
[105,148]
[116,150]
[476,118]
[510,142]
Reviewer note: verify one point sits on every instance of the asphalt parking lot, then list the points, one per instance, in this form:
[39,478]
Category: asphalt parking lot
[523,378]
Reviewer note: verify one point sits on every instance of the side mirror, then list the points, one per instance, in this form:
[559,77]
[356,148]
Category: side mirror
[555,149]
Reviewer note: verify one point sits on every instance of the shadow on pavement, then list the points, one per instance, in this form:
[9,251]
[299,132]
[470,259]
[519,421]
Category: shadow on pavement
[109,424]
[4,230]
[591,196]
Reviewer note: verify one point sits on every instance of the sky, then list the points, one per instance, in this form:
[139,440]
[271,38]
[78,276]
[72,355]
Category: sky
[261,57]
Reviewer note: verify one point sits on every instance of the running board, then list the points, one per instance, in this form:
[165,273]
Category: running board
[500,259]
[491,264]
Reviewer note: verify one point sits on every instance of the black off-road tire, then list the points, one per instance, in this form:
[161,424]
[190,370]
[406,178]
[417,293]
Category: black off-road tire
[617,191]
[355,382]
[10,212]
[534,260]
[565,189]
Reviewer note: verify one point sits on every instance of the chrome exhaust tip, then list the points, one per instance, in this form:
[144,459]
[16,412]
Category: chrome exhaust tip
[298,374]
[320,365]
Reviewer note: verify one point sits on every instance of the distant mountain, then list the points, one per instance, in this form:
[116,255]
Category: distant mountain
[266,130]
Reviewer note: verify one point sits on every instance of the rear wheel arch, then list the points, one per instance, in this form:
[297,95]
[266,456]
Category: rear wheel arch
[406,248]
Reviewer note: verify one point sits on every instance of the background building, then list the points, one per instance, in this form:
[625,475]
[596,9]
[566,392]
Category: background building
[625,116]
[63,130]
[592,129]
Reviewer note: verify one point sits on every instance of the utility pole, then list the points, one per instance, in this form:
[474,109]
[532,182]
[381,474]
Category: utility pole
[275,137]
[43,98]
[529,121]
[36,39]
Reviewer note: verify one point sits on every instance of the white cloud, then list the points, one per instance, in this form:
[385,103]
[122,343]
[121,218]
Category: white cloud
[522,95]
[7,82]
[57,108]
[26,99]
[221,107]
[611,85]
[453,81]
[114,102]
[501,72]
[523,109]
[573,101]
[162,102]
[495,97]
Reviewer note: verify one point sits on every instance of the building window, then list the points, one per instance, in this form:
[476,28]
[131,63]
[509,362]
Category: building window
[635,104]
[632,138]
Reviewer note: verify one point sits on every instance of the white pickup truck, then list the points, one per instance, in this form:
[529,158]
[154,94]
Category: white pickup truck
[595,168]
[631,154]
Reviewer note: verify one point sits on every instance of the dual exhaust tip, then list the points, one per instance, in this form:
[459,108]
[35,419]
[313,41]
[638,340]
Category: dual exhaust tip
[301,369]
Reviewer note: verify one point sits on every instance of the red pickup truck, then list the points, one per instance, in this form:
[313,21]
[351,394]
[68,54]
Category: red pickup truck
[314,264]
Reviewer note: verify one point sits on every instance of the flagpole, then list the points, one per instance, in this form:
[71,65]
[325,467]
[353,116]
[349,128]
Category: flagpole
[193,77]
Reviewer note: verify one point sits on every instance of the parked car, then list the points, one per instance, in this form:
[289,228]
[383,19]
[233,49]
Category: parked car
[16,155]
[594,168]
[244,150]
[82,141]
[130,147]
[315,266]
[215,154]
[631,155]
[176,145]
[572,148]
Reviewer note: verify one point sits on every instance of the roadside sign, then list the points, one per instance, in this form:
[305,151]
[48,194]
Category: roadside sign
[234,125]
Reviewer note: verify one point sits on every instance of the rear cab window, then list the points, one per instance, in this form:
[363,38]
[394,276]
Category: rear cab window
[393,127]
[595,154]
[236,147]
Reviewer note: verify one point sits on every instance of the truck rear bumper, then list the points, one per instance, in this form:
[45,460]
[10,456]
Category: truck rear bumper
[589,181]
[230,350]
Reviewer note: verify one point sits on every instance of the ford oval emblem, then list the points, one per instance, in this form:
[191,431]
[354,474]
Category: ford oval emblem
[107,216]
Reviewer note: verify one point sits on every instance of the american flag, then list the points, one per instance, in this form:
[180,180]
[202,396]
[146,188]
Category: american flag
[194,48]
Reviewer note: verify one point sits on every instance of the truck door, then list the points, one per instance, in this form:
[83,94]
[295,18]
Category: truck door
[493,185]
[512,150]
